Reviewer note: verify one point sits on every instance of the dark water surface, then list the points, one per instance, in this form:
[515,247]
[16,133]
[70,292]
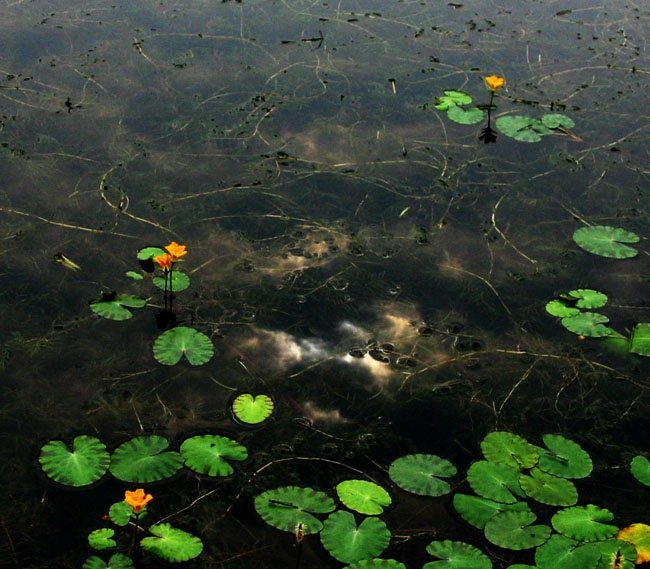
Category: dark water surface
[369,263]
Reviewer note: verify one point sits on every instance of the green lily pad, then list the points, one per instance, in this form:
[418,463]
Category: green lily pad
[478,511]
[117,561]
[588,298]
[149,253]
[170,346]
[363,496]
[349,543]
[284,508]
[501,446]
[548,489]
[121,513]
[640,340]
[209,454]
[590,324]
[495,480]
[465,116]
[560,551]
[421,473]
[377,564]
[639,536]
[86,463]
[564,458]
[143,459]
[640,468]
[584,523]
[615,549]
[559,307]
[172,544]
[180,281]
[554,120]
[136,277]
[512,530]
[606,241]
[102,538]
[456,555]
[521,128]
[115,306]
[451,99]
[252,409]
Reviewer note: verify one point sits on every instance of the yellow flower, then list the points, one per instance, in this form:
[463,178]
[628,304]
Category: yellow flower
[494,82]
[137,499]
[165,261]
[176,251]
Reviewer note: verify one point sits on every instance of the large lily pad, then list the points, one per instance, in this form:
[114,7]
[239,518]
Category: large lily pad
[548,489]
[171,345]
[564,458]
[284,508]
[456,555]
[86,463]
[349,543]
[210,454]
[606,241]
[252,409]
[640,468]
[363,496]
[639,536]
[115,306]
[102,539]
[560,551]
[180,281]
[584,523]
[172,544]
[117,561]
[478,511]
[452,98]
[465,116]
[640,340]
[377,564]
[590,324]
[512,530]
[143,459]
[421,473]
[612,550]
[521,128]
[509,448]
[588,298]
[495,480]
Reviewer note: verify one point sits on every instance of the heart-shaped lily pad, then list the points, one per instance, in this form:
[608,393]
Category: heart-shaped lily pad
[144,459]
[287,507]
[421,473]
[548,489]
[465,116]
[115,306]
[509,448]
[521,128]
[588,298]
[451,99]
[560,551]
[495,480]
[590,324]
[555,120]
[456,555]
[512,530]
[564,458]
[252,409]
[349,543]
[149,253]
[171,345]
[117,561]
[209,454]
[121,513]
[180,281]
[86,463]
[560,308]
[606,241]
[640,468]
[584,523]
[363,496]
[640,340]
[478,511]
[172,544]
[102,539]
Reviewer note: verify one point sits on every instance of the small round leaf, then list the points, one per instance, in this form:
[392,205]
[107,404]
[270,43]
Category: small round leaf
[117,561]
[501,446]
[606,241]
[478,511]
[554,120]
[180,281]
[560,551]
[170,346]
[558,307]
[287,507]
[172,544]
[363,496]
[102,538]
[590,324]
[512,530]
[115,306]
[640,468]
[584,523]
[143,459]
[121,513]
[456,555]
[86,463]
[209,454]
[463,116]
[588,298]
[252,409]
[349,543]
[421,473]
[564,458]
[548,489]
[640,340]
[495,480]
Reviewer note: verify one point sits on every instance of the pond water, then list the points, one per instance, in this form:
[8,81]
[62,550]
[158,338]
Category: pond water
[353,252]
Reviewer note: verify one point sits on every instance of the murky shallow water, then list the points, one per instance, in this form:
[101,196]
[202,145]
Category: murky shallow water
[328,210]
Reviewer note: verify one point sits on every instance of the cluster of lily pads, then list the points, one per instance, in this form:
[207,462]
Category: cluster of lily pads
[173,344]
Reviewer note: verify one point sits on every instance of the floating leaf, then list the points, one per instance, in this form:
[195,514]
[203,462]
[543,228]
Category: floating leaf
[524,129]
[377,564]
[252,409]
[616,550]
[117,561]
[512,530]
[590,324]
[142,459]
[478,511]
[588,298]
[363,496]
[640,340]
[121,513]
[112,305]
[606,241]
[640,468]
[495,480]
[348,543]
[209,454]
[149,253]
[135,276]
[180,281]
[451,99]
[639,536]
[172,544]
[501,446]
[462,116]
[560,551]
[170,346]
[584,523]
[86,463]
[421,473]
[102,539]
[456,555]
[564,458]
[559,307]
[548,489]
[554,120]
[284,508]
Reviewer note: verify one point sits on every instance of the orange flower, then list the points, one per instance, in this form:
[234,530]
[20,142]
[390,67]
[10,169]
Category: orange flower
[176,251]
[165,261]
[137,499]
[494,82]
